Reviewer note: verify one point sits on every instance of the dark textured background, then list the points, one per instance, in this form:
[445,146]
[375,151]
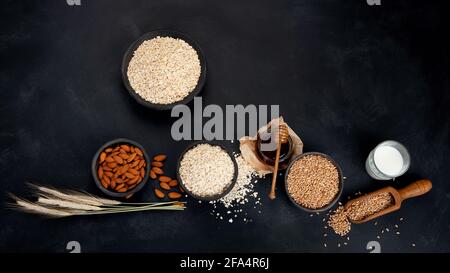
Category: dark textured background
[346,76]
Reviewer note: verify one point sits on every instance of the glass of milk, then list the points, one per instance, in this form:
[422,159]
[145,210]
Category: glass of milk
[388,160]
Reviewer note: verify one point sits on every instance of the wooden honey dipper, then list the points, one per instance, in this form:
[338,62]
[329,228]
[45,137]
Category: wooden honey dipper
[281,137]
[414,189]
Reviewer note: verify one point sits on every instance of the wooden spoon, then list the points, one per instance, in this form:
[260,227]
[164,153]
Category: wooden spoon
[414,189]
[282,137]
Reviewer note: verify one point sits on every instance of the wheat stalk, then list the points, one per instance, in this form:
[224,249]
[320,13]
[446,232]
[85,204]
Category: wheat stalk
[56,204]
[75,196]
[66,204]
[30,207]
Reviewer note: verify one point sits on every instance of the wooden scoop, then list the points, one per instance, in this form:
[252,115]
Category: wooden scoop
[282,137]
[414,189]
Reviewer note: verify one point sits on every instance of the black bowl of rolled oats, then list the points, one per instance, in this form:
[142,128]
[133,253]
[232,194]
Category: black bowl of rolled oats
[207,171]
[164,68]
[314,182]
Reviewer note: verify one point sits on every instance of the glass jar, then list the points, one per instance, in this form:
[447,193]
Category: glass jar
[389,159]
[268,157]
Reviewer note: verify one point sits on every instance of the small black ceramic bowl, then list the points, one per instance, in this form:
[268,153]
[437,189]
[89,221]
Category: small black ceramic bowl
[114,143]
[213,197]
[163,33]
[335,199]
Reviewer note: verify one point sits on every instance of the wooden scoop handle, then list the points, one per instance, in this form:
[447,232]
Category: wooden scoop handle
[415,189]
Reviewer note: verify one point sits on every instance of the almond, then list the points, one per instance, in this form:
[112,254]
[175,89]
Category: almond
[120,186]
[118,159]
[153,175]
[142,173]
[113,184]
[122,189]
[173,183]
[125,148]
[116,149]
[109,174]
[124,156]
[129,175]
[174,195]
[134,164]
[102,157]
[122,170]
[159,194]
[106,168]
[165,179]
[133,180]
[119,181]
[159,158]
[104,184]
[157,164]
[141,164]
[164,186]
[100,173]
[107,179]
[157,170]
[138,151]
[112,165]
[131,157]
[109,159]
[108,150]
[133,171]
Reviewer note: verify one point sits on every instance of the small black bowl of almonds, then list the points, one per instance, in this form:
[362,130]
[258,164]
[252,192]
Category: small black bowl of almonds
[120,168]
[313,182]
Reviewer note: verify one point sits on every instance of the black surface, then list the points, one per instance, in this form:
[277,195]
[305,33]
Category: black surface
[345,74]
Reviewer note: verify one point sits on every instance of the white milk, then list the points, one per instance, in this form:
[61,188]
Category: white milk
[388,160]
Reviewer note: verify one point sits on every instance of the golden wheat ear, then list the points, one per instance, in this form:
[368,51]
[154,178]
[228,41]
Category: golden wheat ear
[73,196]
[26,206]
